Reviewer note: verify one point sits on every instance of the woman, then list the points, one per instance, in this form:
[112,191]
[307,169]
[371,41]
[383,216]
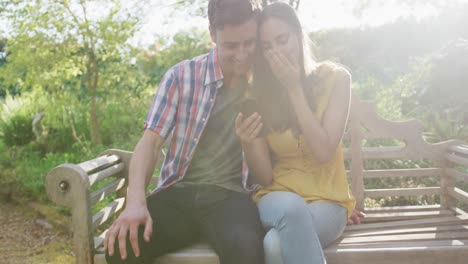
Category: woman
[304,199]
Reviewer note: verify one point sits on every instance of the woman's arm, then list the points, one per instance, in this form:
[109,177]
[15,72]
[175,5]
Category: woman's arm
[255,148]
[258,159]
[323,138]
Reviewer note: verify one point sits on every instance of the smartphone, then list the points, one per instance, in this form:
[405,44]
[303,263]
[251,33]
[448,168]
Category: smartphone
[248,106]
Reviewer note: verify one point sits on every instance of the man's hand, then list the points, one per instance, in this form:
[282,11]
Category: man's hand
[355,218]
[127,223]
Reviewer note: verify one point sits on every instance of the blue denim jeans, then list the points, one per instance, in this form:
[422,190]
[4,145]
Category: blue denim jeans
[298,231]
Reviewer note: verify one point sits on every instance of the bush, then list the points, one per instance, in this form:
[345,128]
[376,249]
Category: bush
[17,131]
[16,121]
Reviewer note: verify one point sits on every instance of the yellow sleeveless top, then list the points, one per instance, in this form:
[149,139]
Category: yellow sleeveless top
[294,166]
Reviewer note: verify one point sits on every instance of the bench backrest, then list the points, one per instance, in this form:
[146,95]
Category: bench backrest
[366,126]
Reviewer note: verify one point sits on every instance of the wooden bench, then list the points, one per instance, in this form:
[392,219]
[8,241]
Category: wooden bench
[433,233]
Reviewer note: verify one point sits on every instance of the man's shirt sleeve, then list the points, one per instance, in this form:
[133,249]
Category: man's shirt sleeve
[161,116]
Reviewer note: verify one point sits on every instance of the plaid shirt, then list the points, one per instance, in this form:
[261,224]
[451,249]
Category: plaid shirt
[182,106]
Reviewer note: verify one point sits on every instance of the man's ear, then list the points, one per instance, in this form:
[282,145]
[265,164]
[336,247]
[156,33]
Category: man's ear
[213,34]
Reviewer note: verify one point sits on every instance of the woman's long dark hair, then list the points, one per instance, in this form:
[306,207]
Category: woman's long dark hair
[274,105]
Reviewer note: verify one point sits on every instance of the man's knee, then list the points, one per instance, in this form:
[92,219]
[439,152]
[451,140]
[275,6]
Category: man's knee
[117,259]
[243,246]
[130,256]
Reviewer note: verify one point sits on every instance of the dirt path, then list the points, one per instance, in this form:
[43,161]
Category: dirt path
[25,237]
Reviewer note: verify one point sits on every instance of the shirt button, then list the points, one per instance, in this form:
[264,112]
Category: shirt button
[203,119]
[195,139]
[211,99]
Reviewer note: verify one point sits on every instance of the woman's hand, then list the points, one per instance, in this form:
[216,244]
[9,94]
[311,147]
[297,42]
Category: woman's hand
[356,217]
[249,128]
[286,69]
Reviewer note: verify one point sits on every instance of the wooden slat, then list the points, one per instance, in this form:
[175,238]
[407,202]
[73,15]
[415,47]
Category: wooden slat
[405,238]
[402,231]
[458,194]
[98,163]
[458,211]
[440,221]
[423,172]
[461,149]
[106,212]
[402,192]
[457,159]
[196,254]
[102,193]
[411,208]
[376,153]
[397,216]
[99,241]
[105,173]
[457,175]
[432,252]
[415,253]
[356,165]
[397,245]
[100,258]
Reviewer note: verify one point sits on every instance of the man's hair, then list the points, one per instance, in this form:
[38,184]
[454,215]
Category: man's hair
[231,12]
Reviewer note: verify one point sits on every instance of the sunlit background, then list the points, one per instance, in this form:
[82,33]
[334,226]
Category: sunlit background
[77,76]
[160,17]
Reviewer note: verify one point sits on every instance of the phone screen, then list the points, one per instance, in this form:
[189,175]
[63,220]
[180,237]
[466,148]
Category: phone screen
[248,106]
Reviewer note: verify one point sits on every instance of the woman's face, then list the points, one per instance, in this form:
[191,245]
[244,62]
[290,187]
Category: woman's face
[276,35]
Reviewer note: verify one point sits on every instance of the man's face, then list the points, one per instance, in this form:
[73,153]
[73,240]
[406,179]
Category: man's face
[236,47]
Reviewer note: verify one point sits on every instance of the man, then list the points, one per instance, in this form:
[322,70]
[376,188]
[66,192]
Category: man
[201,192]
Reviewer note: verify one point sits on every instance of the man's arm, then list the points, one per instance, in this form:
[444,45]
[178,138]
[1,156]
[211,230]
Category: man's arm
[136,211]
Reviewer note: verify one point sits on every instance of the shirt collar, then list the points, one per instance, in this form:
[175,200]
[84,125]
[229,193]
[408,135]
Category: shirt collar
[213,73]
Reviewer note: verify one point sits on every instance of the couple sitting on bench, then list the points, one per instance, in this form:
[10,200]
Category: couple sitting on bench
[255,164]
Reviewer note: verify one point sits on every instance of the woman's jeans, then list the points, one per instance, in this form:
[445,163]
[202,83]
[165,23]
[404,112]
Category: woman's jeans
[298,231]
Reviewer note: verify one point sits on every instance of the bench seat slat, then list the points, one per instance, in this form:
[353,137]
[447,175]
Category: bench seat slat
[397,231]
[405,237]
[449,220]
[451,251]
[381,253]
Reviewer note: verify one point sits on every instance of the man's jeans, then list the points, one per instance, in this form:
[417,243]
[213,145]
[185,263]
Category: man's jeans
[227,220]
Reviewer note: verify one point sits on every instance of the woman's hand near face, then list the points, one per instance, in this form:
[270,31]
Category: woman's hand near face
[286,69]
[247,129]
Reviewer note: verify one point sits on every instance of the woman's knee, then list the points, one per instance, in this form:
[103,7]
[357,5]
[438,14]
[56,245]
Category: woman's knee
[279,207]
[272,247]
